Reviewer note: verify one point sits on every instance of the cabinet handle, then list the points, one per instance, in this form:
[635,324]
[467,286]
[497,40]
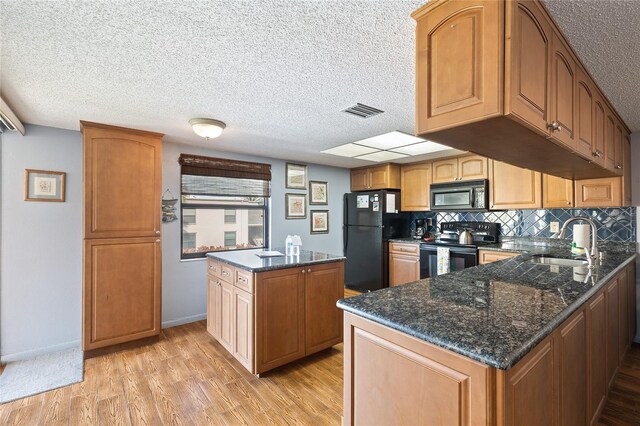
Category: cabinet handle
[417,260]
[309,270]
[157,232]
[597,153]
[618,166]
[243,279]
[157,241]
[568,203]
[554,127]
[303,271]
[225,273]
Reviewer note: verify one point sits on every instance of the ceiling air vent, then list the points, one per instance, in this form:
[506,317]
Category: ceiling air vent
[364,111]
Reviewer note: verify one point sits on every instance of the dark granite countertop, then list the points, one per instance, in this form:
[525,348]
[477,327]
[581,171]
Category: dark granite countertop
[404,240]
[494,313]
[248,260]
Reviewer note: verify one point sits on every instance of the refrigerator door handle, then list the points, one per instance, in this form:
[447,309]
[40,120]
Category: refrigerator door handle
[345,233]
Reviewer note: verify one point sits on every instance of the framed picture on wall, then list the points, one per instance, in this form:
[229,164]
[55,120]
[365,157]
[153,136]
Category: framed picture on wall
[296,176]
[319,221]
[318,192]
[43,185]
[295,206]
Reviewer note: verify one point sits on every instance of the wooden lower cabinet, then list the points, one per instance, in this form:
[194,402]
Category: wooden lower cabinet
[564,380]
[404,263]
[122,280]
[289,313]
[631,289]
[489,256]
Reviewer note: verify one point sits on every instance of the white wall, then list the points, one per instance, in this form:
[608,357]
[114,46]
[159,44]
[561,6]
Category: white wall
[183,286]
[41,247]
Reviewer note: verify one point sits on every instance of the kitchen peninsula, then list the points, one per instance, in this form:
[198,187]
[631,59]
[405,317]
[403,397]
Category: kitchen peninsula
[508,342]
[269,311]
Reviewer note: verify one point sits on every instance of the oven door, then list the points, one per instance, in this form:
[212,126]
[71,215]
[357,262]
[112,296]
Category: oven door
[459,259]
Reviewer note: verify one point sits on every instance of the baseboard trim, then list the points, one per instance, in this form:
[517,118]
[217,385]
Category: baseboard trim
[32,353]
[184,320]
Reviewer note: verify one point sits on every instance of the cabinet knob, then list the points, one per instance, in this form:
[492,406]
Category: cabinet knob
[309,270]
[157,241]
[157,232]
[554,126]
[618,166]
[303,271]
[568,203]
[597,153]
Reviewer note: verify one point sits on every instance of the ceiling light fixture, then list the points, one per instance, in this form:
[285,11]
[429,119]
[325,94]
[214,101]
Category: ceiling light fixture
[207,127]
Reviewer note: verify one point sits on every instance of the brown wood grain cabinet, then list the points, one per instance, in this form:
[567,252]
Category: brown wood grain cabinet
[609,140]
[498,78]
[121,231]
[512,187]
[415,180]
[623,316]
[599,130]
[385,176]
[601,192]
[618,148]
[404,263]
[243,327]
[563,380]
[323,320]
[631,288]
[557,192]
[459,169]
[626,179]
[490,256]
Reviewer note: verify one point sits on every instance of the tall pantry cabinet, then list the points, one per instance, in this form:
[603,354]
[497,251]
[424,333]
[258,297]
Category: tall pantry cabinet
[121,231]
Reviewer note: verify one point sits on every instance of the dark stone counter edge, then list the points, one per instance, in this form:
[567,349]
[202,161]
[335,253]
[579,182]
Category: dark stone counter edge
[509,361]
[275,267]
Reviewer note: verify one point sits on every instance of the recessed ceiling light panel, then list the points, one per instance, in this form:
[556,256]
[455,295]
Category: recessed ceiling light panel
[421,148]
[390,140]
[381,156]
[349,150]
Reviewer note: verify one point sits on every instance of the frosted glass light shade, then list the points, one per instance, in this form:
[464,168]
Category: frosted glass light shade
[207,127]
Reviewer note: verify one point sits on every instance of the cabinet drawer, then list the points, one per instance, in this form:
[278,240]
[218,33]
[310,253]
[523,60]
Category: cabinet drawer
[213,267]
[404,248]
[226,272]
[487,256]
[244,280]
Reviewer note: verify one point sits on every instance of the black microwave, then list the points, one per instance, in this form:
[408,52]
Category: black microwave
[471,195]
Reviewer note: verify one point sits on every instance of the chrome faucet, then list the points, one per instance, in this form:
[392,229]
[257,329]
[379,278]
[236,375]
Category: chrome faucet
[593,256]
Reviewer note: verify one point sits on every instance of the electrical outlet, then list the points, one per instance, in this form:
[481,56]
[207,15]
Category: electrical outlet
[554,226]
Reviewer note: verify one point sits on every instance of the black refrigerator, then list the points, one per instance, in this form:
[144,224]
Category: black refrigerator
[370,220]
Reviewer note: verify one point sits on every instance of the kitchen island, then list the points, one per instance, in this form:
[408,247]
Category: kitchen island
[509,342]
[269,311]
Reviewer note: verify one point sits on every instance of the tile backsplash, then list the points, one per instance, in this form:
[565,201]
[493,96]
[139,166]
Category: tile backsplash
[614,224]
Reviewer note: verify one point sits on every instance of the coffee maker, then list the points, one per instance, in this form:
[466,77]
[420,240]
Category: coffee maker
[420,229]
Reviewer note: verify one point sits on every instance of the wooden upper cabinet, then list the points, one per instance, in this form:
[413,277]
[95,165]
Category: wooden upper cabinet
[459,52]
[585,114]
[609,140]
[626,181]
[512,187]
[530,57]
[122,173]
[601,192]
[557,192]
[598,135]
[459,169]
[385,176]
[618,149]
[415,180]
[562,94]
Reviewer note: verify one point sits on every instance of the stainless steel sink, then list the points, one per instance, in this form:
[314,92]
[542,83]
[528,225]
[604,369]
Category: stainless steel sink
[547,260]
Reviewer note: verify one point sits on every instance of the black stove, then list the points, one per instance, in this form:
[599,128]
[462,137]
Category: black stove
[484,233]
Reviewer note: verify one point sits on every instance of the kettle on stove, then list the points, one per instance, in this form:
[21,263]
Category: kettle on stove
[465,237]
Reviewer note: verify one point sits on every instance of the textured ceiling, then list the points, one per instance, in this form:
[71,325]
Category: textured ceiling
[277,72]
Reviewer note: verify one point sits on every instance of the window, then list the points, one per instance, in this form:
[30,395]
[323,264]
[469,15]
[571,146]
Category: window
[229,238]
[230,200]
[229,216]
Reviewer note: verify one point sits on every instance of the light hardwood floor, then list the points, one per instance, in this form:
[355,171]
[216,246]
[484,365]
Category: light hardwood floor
[188,378]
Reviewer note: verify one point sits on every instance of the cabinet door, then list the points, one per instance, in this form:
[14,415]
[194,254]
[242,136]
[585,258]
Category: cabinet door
[512,187]
[122,173]
[487,256]
[571,347]
[243,328]
[214,306]
[623,316]
[472,167]
[599,124]
[585,114]
[359,179]
[415,181]
[324,286]
[226,316]
[626,170]
[122,281]
[618,147]
[528,57]
[609,140]
[445,170]
[279,318]
[597,340]
[556,192]
[631,289]
[458,64]
[562,95]
[386,176]
[611,294]
[403,269]
[601,192]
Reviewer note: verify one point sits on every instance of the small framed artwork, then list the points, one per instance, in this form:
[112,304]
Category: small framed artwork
[296,175]
[43,185]
[319,221]
[318,192]
[295,206]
